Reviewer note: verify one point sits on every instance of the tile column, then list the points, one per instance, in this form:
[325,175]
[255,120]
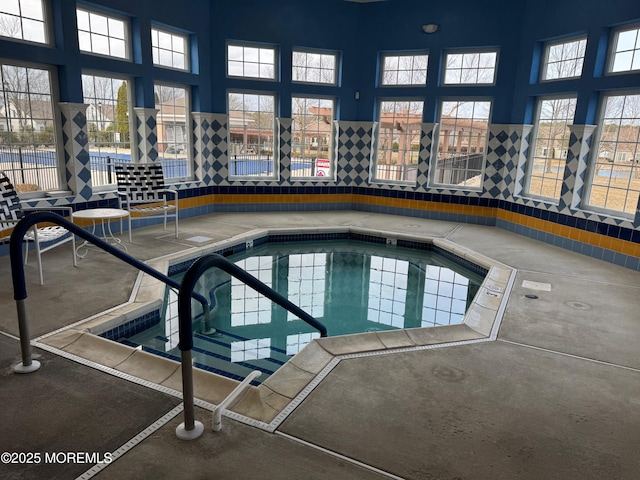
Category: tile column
[145,141]
[211,162]
[284,149]
[354,147]
[76,148]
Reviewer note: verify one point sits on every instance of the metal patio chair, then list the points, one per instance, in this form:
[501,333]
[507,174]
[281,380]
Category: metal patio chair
[44,238]
[141,190]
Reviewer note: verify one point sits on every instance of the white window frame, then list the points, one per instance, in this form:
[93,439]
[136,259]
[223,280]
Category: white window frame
[105,186]
[259,63]
[376,178]
[315,175]
[564,42]
[436,150]
[545,153]
[274,133]
[462,68]
[108,16]
[412,72]
[321,68]
[58,146]
[595,164]
[21,17]
[179,147]
[157,49]
[635,52]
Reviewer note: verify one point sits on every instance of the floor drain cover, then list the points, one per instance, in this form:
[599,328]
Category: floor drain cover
[199,239]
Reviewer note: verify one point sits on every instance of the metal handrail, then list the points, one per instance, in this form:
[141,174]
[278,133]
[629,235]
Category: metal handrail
[191,429]
[19,282]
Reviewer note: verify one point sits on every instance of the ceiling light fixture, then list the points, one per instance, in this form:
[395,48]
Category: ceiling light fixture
[430,28]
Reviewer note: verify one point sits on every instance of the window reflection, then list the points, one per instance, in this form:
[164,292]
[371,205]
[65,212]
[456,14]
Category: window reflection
[445,297]
[172,323]
[248,307]
[387,291]
[298,341]
[254,349]
[307,273]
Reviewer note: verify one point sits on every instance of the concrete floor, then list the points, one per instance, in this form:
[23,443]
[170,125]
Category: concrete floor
[557,395]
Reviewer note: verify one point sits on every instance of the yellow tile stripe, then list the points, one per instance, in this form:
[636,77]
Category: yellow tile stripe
[594,239]
[589,238]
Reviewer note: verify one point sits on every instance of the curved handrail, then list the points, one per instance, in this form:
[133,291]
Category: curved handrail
[17,267]
[190,429]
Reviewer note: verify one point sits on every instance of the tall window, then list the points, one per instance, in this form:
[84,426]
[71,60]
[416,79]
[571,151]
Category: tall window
[102,34]
[625,54]
[27,128]
[251,134]
[169,49]
[470,68]
[172,129]
[23,19]
[462,142]
[615,181]
[311,132]
[564,59]
[404,69]
[251,62]
[550,146]
[399,140]
[108,123]
[311,67]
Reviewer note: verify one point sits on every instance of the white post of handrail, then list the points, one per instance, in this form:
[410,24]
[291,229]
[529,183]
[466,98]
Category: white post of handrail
[217,412]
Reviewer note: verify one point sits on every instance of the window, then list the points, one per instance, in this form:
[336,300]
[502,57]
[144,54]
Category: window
[102,34]
[550,146]
[312,139]
[615,180]
[23,19]
[169,49]
[399,140]
[251,62]
[470,68]
[626,51]
[462,142]
[251,134]
[308,67]
[172,129]
[564,60]
[108,125]
[27,139]
[404,69]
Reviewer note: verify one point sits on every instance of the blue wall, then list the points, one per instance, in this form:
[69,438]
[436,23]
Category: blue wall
[359,32]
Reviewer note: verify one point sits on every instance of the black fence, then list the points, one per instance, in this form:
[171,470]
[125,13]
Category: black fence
[455,170]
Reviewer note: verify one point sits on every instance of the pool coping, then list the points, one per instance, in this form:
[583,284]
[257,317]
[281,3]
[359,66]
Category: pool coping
[268,404]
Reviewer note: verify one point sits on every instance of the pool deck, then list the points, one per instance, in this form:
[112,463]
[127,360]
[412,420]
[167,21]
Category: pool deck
[555,395]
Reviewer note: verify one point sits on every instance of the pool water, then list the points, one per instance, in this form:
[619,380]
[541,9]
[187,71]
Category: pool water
[350,286]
